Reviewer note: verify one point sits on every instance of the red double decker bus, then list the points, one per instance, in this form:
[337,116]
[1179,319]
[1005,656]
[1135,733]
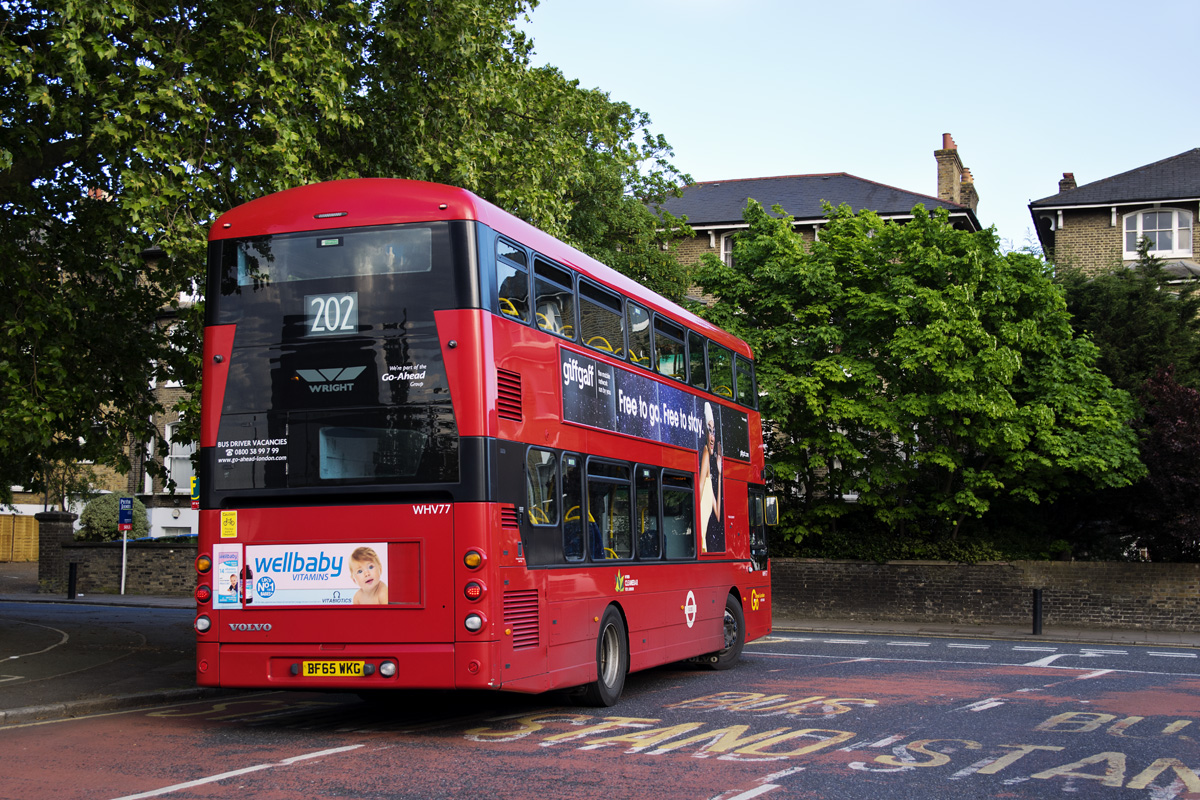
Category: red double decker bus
[442,449]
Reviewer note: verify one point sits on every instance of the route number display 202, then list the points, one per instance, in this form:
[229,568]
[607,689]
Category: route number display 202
[331,314]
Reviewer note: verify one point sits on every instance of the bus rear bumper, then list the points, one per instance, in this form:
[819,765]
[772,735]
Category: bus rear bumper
[298,667]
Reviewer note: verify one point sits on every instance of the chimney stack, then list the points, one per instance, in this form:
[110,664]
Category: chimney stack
[1067,183]
[954,181]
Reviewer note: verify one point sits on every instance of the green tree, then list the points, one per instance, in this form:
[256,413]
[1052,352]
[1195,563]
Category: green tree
[1142,319]
[915,369]
[1165,507]
[98,522]
[130,122]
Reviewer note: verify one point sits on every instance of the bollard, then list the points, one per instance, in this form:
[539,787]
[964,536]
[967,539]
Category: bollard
[1037,612]
[72,575]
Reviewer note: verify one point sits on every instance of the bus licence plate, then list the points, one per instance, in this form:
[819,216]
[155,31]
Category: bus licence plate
[325,669]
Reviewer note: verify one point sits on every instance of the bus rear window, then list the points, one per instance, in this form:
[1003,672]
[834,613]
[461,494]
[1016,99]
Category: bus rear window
[337,254]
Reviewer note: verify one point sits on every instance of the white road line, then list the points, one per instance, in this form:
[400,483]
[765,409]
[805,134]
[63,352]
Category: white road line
[846,641]
[908,644]
[65,638]
[1100,673]
[234,773]
[1172,655]
[982,705]
[746,795]
[1045,662]
[1090,651]
[1036,649]
[970,646]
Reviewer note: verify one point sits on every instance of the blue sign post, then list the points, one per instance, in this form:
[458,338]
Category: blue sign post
[124,525]
[125,514]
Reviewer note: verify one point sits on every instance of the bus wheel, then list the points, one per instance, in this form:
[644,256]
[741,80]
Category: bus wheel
[735,636]
[612,662]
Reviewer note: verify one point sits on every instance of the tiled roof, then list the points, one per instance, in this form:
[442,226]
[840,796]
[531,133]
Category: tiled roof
[722,202]
[1172,178]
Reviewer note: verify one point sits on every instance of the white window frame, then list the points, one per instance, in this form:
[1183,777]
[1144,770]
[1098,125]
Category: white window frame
[175,453]
[727,248]
[1182,232]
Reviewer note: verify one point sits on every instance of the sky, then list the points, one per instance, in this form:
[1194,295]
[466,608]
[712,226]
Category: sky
[1029,90]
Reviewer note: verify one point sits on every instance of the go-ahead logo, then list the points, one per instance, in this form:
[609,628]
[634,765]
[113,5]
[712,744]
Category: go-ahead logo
[337,379]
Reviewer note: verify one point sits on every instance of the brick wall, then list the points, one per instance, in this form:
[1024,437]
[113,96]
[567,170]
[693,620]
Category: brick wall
[1075,594]
[55,533]
[1088,241]
[152,568]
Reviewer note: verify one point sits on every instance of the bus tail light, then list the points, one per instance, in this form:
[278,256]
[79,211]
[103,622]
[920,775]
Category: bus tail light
[203,593]
[474,622]
[203,563]
[474,590]
[473,559]
[388,669]
[203,623]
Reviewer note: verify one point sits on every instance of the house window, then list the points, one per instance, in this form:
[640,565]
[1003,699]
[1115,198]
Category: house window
[179,461]
[1169,232]
[727,249]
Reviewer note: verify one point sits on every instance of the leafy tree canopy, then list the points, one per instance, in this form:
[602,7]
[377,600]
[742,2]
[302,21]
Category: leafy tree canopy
[130,122]
[1164,509]
[914,369]
[1142,319]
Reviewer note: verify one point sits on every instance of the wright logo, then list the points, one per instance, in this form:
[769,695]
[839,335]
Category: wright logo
[337,379]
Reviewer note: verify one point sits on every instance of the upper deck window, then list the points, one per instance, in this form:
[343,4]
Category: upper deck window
[697,374]
[720,370]
[555,307]
[335,254]
[600,319]
[512,280]
[639,335]
[668,342]
[746,393]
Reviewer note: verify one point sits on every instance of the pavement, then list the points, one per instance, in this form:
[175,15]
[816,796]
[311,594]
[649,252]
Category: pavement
[89,691]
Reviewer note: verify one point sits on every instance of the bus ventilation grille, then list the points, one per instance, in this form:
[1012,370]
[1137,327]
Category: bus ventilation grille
[509,518]
[521,616]
[508,390]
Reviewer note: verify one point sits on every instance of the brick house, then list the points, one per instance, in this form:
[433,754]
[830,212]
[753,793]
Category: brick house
[714,208]
[1097,226]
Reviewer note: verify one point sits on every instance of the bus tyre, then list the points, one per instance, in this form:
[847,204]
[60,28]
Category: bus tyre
[735,636]
[612,662]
